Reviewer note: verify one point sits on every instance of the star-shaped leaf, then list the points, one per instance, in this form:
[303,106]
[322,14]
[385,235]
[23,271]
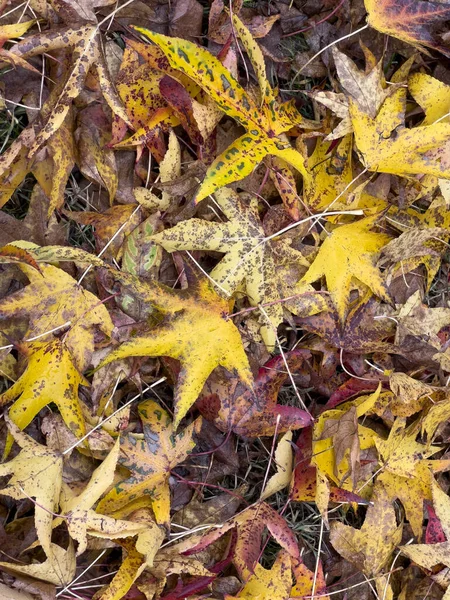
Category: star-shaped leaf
[249,256]
[196,331]
[347,254]
[149,458]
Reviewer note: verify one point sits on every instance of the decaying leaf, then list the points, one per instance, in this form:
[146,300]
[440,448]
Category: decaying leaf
[371,546]
[149,458]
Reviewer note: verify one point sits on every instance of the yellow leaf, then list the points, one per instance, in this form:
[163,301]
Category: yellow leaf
[405,152]
[59,570]
[54,298]
[265,127]
[249,257]
[327,174]
[269,584]
[150,459]
[196,332]
[50,376]
[284,463]
[401,453]
[432,95]
[348,254]
[429,556]
[370,547]
[36,472]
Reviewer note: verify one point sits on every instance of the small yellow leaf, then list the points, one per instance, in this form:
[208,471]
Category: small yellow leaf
[284,458]
[348,254]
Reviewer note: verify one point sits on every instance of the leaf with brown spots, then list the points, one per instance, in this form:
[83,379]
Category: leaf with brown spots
[53,298]
[250,256]
[266,126]
[87,53]
[370,547]
[250,525]
[254,412]
[82,520]
[37,473]
[149,458]
[50,376]
[431,555]
[412,21]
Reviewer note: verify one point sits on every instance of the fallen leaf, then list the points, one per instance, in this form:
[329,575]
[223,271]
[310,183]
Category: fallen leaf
[284,462]
[150,459]
[348,254]
[370,547]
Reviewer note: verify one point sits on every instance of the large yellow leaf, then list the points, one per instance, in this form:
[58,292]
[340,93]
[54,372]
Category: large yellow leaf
[249,257]
[349,254]
[150,458]
[265,125]
[196,331]
[370,547]
[54,298]
[50,376]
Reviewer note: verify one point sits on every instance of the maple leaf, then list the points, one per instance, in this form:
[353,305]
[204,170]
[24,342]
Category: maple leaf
[150,459]
[196,332]
[409,20]
[370,547]
[53,298]
[254,412]
[365,329]
[36,472]
[250,525]
[20,157]
[250,256]
[348,253]
[50,376]
[265,127]
[387,146]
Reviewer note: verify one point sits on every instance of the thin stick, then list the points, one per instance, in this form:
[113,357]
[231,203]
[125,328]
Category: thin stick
[316,570]
[323,50]
[67,588]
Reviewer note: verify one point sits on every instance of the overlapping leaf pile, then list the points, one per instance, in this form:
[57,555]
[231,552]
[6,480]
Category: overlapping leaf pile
[224,308]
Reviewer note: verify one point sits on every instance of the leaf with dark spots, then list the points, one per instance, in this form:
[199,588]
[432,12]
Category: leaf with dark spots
[363,331]
[253,413]
[196,331]
[149,458]
[52,299]
[50,376]
[250,525]
[249,258]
